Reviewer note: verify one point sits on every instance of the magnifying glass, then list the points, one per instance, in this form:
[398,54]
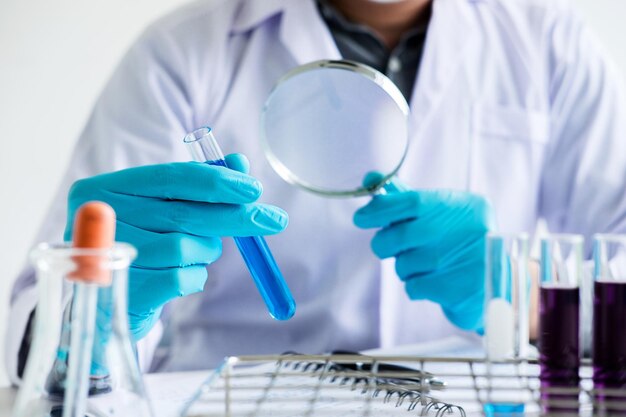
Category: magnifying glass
[329,123]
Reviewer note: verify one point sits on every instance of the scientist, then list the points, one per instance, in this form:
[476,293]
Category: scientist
[520,115]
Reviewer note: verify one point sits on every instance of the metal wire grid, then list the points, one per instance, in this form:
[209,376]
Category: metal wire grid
[355,385]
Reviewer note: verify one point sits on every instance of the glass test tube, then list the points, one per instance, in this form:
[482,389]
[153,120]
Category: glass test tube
[506,321]
[506,296]
[559,322]
[253,249]
[609,317]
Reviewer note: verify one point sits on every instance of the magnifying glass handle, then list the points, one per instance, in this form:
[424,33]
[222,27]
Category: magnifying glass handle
[378,184]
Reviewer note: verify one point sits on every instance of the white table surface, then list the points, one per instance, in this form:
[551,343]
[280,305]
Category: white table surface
[168,392]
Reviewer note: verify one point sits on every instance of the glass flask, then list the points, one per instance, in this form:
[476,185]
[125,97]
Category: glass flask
[81,361]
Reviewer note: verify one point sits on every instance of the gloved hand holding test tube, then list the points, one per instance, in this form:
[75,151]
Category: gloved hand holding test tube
[256,254]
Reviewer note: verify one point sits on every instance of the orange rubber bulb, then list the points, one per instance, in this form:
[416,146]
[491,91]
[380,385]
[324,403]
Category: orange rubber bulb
[94,228]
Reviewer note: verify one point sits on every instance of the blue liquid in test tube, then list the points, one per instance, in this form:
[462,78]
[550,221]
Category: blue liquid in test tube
[504,410]
[253,249]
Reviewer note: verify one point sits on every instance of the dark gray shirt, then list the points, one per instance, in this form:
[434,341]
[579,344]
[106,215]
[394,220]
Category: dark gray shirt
[359,43]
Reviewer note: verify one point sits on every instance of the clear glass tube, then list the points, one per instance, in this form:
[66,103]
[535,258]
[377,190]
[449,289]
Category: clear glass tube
[559,321]
[82,325]
[609,316]
[506,296]
[87,367]
[506,318]
[256,253]
[33,396]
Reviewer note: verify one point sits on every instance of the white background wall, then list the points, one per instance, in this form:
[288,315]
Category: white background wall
[54,58]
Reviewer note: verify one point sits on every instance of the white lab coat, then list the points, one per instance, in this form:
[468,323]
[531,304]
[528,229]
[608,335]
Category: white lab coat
[513,100]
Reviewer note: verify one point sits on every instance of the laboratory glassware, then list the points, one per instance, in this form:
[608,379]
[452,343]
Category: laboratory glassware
[327,124]
[506,296]
[559,321]
[86,366]
[254,249]
[506,317]
[609,321]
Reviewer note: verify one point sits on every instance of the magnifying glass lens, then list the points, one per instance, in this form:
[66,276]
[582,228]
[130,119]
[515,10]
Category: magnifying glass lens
[325,126]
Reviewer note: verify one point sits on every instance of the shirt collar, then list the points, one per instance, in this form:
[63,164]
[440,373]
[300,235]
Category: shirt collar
[334,17]
[305,47]
[253,13]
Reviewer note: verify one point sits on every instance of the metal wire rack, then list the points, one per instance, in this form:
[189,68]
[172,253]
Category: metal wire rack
[355,385]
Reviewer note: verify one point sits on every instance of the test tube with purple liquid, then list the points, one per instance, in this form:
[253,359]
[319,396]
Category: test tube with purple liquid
[559,322]
[609,324]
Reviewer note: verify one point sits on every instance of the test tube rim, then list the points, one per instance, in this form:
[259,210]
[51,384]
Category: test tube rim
[572,237]
[207,131]
[508,235]
[119,256]
[610,238]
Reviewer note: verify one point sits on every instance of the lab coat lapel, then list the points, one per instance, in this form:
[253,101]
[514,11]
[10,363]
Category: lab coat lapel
[449,40]
[301,28]
[450,33]
[304,33]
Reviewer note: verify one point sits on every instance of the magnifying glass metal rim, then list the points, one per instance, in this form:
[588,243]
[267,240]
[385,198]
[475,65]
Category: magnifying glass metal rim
[356,67]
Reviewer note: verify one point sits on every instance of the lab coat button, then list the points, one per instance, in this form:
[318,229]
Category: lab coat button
[394,64]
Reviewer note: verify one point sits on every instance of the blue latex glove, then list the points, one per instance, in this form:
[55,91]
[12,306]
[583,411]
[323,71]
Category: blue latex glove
[175,214]
[438,240]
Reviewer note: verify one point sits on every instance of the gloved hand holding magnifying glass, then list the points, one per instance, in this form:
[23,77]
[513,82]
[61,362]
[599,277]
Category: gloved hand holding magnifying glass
[438,239]
[347,134]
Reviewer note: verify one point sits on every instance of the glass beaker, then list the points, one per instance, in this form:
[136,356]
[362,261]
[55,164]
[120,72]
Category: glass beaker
[81,360]
[559,321]
[609,316]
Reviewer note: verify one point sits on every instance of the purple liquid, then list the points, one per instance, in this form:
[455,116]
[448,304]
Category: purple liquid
[559,353]
[609,343]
